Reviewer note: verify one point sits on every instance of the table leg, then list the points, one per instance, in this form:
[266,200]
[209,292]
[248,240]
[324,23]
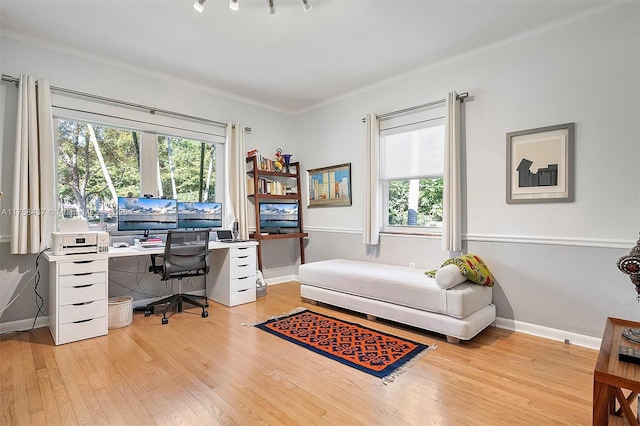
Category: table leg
[601,403]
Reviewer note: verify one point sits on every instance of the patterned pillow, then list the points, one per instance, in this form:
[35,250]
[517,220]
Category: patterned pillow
[472,267]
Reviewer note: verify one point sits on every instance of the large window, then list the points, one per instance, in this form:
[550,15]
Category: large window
[97,164]
[412,163]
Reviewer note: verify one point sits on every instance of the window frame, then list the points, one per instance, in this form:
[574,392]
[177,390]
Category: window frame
[149,135]
[408,122]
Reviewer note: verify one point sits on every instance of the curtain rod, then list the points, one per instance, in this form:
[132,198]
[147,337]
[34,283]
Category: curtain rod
[461,97]
[151,110]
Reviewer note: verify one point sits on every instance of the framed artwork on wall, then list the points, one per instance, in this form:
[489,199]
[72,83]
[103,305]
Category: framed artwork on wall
[329,186]
[540,165]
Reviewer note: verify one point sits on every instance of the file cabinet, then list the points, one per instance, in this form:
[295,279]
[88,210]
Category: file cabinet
[78,301]
[233,282]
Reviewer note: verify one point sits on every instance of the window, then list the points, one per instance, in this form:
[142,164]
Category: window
[97,164]
[412,164]
[187,169]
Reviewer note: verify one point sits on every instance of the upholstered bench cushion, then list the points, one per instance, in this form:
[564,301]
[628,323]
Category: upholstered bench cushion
[395,284]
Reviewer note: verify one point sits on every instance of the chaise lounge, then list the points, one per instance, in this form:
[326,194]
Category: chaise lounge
[454,306]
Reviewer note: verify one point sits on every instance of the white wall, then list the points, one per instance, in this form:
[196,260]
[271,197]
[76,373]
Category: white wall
[555,262]
[270,129]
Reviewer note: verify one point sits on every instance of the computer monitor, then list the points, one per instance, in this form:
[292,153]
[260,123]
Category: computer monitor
[278,217]
[199,215]
[145,214]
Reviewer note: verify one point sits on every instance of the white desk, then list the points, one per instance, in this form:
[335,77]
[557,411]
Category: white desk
[79,285]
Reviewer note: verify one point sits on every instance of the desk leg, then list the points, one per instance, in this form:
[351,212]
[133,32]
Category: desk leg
[601,403]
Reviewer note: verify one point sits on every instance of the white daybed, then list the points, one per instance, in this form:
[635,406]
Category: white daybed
[404,295]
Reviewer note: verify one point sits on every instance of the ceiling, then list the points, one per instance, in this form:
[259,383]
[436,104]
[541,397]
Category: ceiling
[290,61]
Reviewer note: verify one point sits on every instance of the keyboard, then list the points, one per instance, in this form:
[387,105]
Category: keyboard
[148,246]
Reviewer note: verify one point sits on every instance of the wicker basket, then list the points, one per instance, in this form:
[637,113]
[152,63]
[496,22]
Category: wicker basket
[120,311]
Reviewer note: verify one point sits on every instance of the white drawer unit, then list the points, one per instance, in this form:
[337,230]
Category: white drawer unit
[232,279]
[78,301]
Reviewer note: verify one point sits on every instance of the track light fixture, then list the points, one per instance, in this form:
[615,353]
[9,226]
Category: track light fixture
[199,5]
[235,5]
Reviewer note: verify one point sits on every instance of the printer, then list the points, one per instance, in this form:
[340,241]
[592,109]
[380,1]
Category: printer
[75,238]
[79,242]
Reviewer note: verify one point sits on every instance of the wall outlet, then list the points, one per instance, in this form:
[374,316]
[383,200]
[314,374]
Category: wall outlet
[412,265]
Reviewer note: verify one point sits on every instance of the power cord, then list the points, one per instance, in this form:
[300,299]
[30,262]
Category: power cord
[39,298]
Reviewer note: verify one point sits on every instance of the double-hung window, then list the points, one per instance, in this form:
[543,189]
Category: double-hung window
[411,171]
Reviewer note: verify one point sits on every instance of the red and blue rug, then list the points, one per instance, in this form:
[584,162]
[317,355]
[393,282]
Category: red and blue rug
[374,352]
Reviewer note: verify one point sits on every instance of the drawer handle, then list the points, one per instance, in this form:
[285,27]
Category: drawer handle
[82,303]
[82,286]
[243,266]
[243,278]
[81,321]
[243,248]
[83,261]
[240,291]
[82,273]
[242,257]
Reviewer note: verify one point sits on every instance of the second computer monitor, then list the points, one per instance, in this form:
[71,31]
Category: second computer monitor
[199,214]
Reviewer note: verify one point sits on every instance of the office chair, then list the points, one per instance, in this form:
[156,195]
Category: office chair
[186,254]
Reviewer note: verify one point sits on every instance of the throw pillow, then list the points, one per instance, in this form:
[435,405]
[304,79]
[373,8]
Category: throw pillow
[449,276]
[472,267]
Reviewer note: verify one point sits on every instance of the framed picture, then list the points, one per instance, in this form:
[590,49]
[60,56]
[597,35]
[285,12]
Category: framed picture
[329,186]
[540,165]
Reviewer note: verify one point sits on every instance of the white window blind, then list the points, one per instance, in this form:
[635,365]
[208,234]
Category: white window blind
[409,152]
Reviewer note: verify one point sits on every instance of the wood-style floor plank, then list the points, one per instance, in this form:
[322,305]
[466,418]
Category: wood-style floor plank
[220,371]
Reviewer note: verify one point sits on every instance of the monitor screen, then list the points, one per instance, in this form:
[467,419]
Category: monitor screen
[140,214]
[199,215]
[278,216]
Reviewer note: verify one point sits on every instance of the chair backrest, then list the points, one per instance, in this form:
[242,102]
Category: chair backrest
[186,254]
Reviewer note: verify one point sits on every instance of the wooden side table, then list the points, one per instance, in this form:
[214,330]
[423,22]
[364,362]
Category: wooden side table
[611,376]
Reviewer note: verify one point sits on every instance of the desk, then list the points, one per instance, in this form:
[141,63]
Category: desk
[79,285]
[611,376]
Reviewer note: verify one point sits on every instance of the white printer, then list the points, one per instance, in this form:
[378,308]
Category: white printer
[75,238]
[79,242]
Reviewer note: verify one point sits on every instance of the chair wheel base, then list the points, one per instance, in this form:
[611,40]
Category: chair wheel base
[165,321]
[205,314]
[147,313]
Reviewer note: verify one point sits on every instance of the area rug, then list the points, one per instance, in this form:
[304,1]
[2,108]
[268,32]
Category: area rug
[380,354]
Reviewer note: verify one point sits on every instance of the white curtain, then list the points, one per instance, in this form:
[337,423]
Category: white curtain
[451,198]
[371,223]
[34,194]
[236,178]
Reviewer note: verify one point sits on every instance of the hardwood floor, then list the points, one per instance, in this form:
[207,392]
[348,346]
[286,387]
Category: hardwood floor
[210,371]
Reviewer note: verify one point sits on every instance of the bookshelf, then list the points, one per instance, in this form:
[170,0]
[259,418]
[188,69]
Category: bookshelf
[264,183]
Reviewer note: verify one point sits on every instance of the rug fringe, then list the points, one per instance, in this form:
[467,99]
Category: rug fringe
[391,377]
[285,314]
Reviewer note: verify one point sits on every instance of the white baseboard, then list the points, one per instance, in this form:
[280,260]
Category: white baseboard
[549,333]
[25,324]
[281,279]
[507,324]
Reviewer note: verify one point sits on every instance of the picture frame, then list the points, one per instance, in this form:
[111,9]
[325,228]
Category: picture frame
[540,165]
[329,186]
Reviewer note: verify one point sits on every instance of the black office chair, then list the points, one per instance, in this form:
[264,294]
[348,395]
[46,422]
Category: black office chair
[186,254]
